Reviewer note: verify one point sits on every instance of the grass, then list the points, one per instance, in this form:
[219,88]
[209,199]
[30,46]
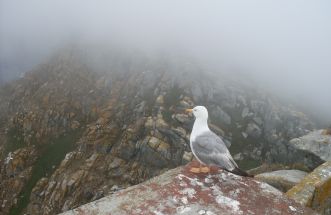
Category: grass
[15,140]
[50,156]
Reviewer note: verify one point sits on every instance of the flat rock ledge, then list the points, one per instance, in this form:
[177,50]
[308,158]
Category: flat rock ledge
[179,191]
[283,180]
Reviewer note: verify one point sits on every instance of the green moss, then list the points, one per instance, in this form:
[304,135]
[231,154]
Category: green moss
[15,140]
[50,156]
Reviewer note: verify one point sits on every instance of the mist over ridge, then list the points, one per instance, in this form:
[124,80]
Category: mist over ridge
[283,46]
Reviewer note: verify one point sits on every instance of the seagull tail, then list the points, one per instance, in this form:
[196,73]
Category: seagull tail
[240,172]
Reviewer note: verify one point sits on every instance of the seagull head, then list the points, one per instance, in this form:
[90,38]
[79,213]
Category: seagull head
[200,112]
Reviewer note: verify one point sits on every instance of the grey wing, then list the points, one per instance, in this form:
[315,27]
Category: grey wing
[211,150]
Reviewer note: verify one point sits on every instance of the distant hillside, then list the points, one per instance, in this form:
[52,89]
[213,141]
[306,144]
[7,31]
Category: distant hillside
[81,126]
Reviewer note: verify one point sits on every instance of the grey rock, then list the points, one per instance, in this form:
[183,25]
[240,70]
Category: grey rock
[311,150]
[253,130]
[282,179]
[258,120]
[221,115]
[245,112]
[182,118]
[238,156]
[314,142]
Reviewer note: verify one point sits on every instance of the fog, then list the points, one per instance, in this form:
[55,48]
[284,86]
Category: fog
[284,46]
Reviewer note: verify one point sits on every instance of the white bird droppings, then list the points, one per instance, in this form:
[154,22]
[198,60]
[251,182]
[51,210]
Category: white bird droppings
[201,212]
[183,209]
[184,200]
[292,208]
[232,203]
[189,192]
[158,213]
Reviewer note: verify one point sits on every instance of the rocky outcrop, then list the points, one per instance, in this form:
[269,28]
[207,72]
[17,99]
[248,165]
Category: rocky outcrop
[315,189]
[15,170]
[282,179]
[180,192]
[312,149]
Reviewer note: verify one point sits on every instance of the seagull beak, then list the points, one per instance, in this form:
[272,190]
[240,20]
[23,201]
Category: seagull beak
[189,110]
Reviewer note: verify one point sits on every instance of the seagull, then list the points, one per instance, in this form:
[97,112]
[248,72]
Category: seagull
[208,148]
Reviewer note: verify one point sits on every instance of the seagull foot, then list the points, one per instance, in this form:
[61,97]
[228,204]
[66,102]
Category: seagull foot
[195,170]
[205,169]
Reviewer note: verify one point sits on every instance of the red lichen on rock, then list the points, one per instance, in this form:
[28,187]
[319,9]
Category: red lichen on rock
[179,191]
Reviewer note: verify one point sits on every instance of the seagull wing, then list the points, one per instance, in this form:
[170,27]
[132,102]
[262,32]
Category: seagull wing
[211,150]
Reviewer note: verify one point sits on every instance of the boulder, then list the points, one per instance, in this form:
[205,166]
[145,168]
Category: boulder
[315,189]
[182,118]
[160,100]
[316,142]
[312,149]
[179,191]
[221,115]
[245,112]
[253,130]
[282,179]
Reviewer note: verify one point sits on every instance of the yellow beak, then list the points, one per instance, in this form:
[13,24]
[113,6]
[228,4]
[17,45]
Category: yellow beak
[189,110]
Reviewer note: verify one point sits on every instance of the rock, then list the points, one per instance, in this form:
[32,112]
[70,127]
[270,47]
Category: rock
[180,131]
[313,145]
[244,134]
[238,156]
[154,142]
[221,115]
[149,123]
[182,118]
[75,124]
[253,130]
[160,123]
[258,121]
[184,104]
[117,162]
[245,112]
[179,191]
[282,179]
[326,131]
[160,100]
[315,189]
[217,130]
[187,156]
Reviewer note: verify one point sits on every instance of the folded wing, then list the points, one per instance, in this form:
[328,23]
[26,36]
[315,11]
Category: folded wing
[211,150]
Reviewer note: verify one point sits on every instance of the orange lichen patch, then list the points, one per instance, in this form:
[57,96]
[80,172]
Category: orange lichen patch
[326,131]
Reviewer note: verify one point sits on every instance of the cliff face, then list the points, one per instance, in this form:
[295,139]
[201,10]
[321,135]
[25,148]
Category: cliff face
[178,191]
[71,132]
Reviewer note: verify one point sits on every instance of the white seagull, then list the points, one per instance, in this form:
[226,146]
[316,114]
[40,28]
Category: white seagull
[208,148]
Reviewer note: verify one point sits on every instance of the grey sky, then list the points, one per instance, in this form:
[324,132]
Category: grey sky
[284,45]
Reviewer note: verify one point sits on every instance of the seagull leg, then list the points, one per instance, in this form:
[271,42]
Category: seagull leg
[205,169]
[195,169]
